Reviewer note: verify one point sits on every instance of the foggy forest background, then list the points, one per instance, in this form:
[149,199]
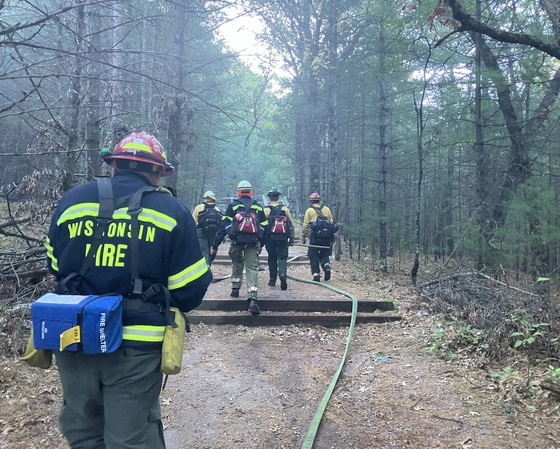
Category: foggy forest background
[430,128]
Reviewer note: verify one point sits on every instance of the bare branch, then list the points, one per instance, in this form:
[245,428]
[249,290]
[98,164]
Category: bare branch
[470,23]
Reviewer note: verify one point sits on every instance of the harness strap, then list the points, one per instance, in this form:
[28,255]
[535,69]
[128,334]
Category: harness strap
[134,210]
[104,218]
[106,199]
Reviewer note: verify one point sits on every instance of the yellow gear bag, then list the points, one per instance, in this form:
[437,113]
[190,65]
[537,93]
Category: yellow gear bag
[37,358]
[173,344]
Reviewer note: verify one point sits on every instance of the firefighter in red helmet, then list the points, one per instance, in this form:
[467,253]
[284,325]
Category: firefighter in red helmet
[112,399]
[140,152]
[319,227]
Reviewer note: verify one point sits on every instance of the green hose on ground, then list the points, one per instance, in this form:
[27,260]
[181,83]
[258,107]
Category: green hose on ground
[316,420]
[223,278]
[318,416]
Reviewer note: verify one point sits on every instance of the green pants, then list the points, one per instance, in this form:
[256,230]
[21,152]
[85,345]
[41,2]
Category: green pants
[205,244]
[247,257]
[318,257]
[277,258]
[111,401]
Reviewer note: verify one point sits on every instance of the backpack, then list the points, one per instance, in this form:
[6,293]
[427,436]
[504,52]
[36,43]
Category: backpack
[209,220]
[279,226]
[245,228]
[322,229]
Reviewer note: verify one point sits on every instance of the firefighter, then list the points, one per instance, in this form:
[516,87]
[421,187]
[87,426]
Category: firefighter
[112,400]
[243,222]
[319,250]
[207,217]
[279,236]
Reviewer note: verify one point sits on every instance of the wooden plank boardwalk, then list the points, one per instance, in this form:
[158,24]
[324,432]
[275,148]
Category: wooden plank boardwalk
[326,312]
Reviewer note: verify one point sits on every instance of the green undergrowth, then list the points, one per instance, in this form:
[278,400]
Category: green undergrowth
[531,362]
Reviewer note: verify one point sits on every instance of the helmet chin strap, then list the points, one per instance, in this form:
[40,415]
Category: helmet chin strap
[154,177]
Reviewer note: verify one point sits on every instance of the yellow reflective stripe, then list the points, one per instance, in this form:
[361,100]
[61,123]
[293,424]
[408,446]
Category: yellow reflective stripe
[158,219]
[78,211]
[225,217]
[189,274]
[50,254]
[137,146]
[143,332]
[121,214]
[264,223]
[54,262]
[152,216]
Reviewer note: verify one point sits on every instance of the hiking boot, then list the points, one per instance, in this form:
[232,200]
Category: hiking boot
[327,269]
[283,282]
[317,278]
[253,307]
[271,283]
[234,293]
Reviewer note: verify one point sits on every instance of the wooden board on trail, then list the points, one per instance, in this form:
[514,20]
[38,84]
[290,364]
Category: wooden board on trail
[284,308]
[298,305]
[244,318]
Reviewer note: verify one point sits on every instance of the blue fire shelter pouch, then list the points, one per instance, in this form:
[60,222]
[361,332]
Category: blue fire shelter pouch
[91,324]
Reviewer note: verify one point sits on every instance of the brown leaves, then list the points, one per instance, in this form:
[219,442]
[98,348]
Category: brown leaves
[440,14]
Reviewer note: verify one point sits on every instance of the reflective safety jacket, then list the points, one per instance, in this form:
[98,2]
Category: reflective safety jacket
[243,203]
[168,248]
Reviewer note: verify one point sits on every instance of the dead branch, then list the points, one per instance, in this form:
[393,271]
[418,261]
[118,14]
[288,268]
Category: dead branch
[479,274]
[14,222]
[494,307]
[24,274]
[27,239]
[21,236]
[5,267]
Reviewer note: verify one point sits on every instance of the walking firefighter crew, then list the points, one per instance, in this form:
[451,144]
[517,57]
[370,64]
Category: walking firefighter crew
[243,222]
[111,400]
[319,227]
[279,235]
[207,217]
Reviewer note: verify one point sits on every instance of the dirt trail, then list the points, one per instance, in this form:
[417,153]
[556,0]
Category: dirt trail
[258,387]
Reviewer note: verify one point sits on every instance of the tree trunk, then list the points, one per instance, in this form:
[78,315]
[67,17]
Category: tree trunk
[74,101]
[93,102]
[333,188]
[485,224]
[116,97]
[419,108]
[176,127]
[383,112]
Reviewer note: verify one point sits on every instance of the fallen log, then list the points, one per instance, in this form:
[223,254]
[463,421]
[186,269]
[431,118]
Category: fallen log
[552,385]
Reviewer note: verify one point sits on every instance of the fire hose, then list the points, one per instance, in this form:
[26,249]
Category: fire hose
[315,422]
[318,416]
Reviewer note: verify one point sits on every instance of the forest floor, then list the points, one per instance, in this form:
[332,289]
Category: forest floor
[258,387]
